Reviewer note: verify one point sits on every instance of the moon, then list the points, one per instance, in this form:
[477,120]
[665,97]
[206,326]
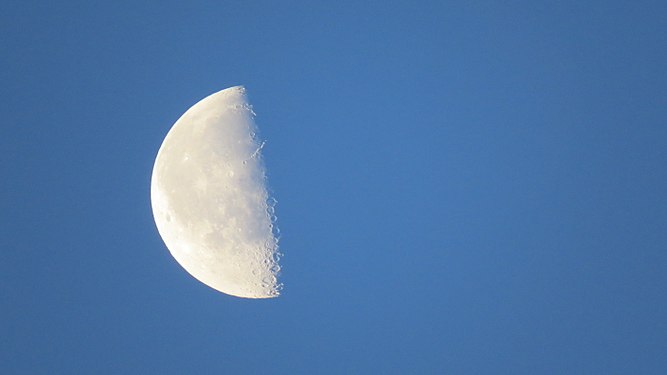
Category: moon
[210,201]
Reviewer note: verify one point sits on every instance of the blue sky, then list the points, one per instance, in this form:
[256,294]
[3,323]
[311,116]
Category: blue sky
[463,187]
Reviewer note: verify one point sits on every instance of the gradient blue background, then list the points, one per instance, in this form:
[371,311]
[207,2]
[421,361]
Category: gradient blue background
[464,187]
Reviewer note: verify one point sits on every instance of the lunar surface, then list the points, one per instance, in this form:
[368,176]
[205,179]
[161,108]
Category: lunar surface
[210,201]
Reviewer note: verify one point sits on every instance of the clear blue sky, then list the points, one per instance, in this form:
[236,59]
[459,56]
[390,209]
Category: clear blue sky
[464,187]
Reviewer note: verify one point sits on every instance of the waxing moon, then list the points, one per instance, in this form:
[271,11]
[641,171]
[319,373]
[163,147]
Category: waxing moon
[210,201]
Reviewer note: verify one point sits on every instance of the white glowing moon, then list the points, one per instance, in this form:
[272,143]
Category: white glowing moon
[210,201]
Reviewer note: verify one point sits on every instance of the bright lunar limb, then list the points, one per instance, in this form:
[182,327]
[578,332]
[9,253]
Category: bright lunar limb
[210,201]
